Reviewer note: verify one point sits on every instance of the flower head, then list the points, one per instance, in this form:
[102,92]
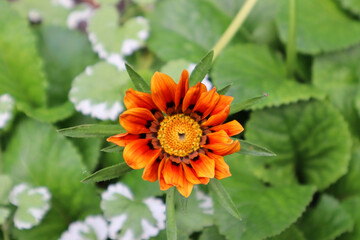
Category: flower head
[177,134]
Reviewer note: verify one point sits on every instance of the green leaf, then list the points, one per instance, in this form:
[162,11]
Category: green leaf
[7,106]
[253,70]
[265,210]
[171,228]
[50,160]
[108,173]
[352,207]
[16,39]
[137,80]
[326,221]
[100,99]
[6,184]
[112,148]
[32,204]
[240,106]
[131,218]
[248,148]
[90,151]
[91,130]
[339,76]
[225,89]
[352,6]
[292,233]
[220,194]
[314,40]
[4,214]
[311,140]
[211,233]
[180,23]
[201,69]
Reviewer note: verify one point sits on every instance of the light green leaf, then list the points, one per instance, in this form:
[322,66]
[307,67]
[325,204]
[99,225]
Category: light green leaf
[254,70]
[315,32]
[141,188]
[292,233]
[265,210]
[201,69]
[7,105]
[32,204]
[171,228]
[108,173]
[91,130]
[4,214]
[115,39]
[48,159]
[137,80]
[311,140]
[223,198]
[101,99]
[248,148]
[211,233]
[18,51]
[245,105]
[338,74]
[352,207]
[112,148]
[180,23]
[326,221]
[130,219]
[6,184]
[90,151]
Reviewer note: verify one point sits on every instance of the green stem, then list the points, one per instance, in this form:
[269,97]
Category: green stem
[5,230]
[170,215]
[291,41]
[234,26]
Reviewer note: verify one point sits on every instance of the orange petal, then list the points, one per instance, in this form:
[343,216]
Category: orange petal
[163,186]
[231,128]
[182,88]
[173,173]
[218,137]
[206,102]
[224,148]
[221,168]
[192,177]
[217,118]
[151,170]
[223,102]
[136,99]
[186,189]
[138,154]
[122,139]
[193,95]
[163,90]
[204,166]
[136,120]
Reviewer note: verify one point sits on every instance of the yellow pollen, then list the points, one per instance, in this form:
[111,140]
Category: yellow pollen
[179,135]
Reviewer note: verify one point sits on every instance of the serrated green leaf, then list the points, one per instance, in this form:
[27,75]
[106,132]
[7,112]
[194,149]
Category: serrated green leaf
[314,40]
[91,130]
[225,89]
[338,75]
[108,173]
[311,140]
[292,233]
[352,207]
[6,184]
[326,221]
[237,107]
[201,69]
[171,229]
[220,194]
[265,210]
[112,148]
[137,80]
[254,70]
[4,214]
[248,148]
[50,160]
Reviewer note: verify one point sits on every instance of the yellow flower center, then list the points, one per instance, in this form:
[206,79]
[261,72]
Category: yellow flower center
[179,135]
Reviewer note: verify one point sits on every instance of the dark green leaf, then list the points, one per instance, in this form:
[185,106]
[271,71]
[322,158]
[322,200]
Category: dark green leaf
[138,81]
[220,194]
[248,148]
[112,148]
[91,130]
[292,233]
[170,215]
[108,173]
[352,207]
[225,89]
[245,105]
[201,69]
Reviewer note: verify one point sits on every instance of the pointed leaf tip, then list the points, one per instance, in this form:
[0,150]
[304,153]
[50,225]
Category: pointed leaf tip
[139,82]
[201,69]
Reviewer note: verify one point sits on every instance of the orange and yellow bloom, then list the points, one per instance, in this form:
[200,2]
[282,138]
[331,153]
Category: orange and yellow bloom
[177,133]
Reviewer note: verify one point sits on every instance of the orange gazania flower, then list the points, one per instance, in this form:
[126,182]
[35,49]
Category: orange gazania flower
[177,134]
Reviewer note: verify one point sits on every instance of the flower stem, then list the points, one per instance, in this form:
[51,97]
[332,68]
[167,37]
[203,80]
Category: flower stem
[170,215]
[291,41]
[234,26]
